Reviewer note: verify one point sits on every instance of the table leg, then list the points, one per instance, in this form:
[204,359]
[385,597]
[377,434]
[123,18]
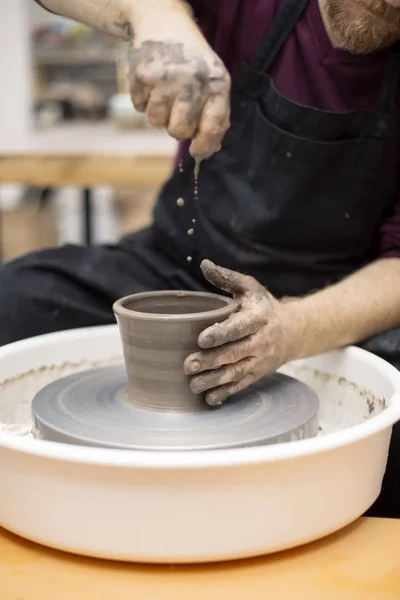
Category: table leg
[88,216]
[1,233]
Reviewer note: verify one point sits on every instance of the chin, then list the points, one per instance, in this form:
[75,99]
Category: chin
[365,38]
[360,28]
[355,45]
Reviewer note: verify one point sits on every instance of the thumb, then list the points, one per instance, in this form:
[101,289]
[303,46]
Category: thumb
[225,279]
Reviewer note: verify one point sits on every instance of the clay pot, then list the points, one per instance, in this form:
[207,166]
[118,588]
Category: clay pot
[159,330]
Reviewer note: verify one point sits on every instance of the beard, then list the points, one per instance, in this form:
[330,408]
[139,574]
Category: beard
[363,26]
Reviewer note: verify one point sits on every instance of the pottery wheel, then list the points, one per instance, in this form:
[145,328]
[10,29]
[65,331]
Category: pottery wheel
[91,408]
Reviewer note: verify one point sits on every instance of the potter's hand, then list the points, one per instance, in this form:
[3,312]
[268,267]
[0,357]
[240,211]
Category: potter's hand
[179,82]
[251,343]
[175,77]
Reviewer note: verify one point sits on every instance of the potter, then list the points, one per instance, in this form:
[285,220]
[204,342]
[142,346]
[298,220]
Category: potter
[302,197]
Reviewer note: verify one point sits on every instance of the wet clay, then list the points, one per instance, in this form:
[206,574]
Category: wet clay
[159,330]
[197,165]
[155,63]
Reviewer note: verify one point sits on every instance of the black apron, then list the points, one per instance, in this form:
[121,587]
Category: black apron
[296,196]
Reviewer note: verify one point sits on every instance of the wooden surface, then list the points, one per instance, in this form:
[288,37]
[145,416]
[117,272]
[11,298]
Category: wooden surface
[88,154]
[85,170]
[361,562]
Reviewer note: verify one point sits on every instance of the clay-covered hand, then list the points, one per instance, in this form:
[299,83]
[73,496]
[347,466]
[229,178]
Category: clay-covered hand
[252,342]
[179,82]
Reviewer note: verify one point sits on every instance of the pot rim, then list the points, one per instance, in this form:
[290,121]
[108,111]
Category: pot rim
[222,313]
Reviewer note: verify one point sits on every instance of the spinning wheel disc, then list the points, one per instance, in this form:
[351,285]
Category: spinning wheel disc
[92,408]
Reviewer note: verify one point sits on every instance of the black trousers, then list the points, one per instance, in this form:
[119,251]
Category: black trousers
[75,286]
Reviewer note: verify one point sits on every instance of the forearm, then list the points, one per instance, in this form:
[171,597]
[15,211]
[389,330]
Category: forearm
[363,305]
[120,17]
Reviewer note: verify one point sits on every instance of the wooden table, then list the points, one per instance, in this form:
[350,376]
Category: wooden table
[83,170]
[86,156]
[362,562]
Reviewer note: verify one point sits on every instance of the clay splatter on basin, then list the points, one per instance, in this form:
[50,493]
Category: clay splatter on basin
[343,404]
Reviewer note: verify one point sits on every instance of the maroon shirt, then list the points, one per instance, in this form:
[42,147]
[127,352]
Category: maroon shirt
[308,70]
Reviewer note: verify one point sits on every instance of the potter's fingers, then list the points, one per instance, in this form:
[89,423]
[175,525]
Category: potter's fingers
[224,375]
[225,279]
[237,327]
[220,394]
[185,114]
[214,123]
[208,360]
[140,94]
[159,107]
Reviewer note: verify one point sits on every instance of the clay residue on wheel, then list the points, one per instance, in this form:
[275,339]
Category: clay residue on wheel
[17,393]
[61,369]
[343,402]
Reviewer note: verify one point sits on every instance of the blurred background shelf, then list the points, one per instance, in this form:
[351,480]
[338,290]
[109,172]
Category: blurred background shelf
[70,139]
[75,56]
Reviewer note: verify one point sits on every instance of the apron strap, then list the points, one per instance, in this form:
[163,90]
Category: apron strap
[277,35]
[390,82]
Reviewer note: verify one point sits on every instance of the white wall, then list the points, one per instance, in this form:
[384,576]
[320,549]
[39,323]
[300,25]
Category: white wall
[15,68]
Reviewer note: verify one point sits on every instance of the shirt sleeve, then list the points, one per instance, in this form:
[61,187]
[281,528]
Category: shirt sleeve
[390,234]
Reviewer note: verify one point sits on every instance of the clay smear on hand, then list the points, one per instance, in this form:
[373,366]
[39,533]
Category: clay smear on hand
[179,89]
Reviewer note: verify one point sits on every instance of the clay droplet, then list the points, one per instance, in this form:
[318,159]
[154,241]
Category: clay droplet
[190,231]
[193,220]
[189,259]
[180,202]
[181,167]
[197,164]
